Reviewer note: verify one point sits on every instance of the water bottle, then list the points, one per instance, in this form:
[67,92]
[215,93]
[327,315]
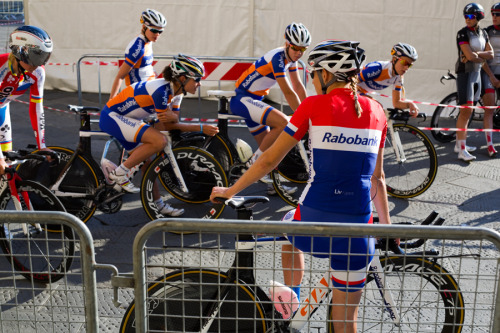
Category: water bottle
[284,298]
[244,150]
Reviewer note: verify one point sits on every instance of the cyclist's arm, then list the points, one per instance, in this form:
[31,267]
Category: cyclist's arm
[399,103]
[183,127]
[122,72]
[261,167]
[290,95]
[469,54]
[487,54]
[494,81]
[36,106]
[297,85]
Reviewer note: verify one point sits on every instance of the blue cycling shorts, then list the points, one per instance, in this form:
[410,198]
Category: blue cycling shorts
[349,257]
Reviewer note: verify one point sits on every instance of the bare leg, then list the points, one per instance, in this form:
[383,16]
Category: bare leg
[277,122]
[292,260]
[463,121]
[345,310]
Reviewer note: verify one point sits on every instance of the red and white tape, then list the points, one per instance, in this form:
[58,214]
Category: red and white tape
[459,129]
[436,104]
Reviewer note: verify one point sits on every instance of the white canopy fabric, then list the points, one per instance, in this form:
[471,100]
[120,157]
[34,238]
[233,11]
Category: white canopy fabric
[249,28]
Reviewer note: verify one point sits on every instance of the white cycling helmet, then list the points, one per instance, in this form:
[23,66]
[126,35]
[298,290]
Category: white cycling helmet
[188,66]
[153,18]
[298,35]
[342,58]
[31,45]
[404,50]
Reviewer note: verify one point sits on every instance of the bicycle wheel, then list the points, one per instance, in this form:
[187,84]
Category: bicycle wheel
[179,301]
[427,298]
[445,117]
[201,172]
[81,180]
[290,178]
[414,174]
[39,255]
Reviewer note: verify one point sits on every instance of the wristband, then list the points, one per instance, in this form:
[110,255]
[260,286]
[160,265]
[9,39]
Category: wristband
[201,128]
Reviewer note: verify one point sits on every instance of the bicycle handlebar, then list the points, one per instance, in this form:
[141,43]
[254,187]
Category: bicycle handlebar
[403,115]
[448,76]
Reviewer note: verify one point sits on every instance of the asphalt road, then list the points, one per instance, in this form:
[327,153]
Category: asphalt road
[464,194]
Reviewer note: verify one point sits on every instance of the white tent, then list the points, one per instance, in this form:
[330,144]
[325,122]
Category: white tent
[249,28]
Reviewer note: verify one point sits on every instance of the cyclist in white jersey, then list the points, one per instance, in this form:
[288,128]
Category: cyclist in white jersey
[490,77]
[379,75]
[138,64]
[20,71]
[264,122]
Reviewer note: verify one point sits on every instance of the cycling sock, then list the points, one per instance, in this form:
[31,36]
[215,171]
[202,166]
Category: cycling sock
[461,144]
[256,155]
[296,289]
[489,139]
[121,170]
[159,202]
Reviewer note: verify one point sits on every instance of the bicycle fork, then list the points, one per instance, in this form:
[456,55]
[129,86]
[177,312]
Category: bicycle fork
[396,142]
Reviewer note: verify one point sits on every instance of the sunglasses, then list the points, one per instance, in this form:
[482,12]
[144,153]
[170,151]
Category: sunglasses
[298,48]
[495,14]
[197,79]
[470,16]
[312,73]
[405,62]
[156,31]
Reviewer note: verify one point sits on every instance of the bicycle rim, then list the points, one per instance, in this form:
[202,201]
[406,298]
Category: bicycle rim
[80,179]
[414,175]
[39,254]
[445,117]
[201,172]
[427,299]
[178,302]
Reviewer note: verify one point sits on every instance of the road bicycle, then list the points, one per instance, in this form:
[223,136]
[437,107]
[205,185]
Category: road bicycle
[410,159]
[409,292]
[184,177]
[40,252]
[446,117]
[292,172]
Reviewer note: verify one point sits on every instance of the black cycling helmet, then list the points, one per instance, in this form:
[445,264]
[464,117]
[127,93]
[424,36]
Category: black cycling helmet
[404,50]
[31,45]
[342,58]
[476,9]
[495,8]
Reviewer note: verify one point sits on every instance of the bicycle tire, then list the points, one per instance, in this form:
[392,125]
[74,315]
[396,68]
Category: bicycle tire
[201,172]
[176,303]
[42,256]
[423,280]
[292,167]
[416,174]
[82,177]
[445,117]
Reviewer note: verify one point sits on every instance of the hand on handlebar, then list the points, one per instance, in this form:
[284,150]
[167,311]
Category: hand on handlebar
[3,165]
[413,110]
[210,130]
[219,192]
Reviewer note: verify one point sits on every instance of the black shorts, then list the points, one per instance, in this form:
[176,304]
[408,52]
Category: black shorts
[468,87]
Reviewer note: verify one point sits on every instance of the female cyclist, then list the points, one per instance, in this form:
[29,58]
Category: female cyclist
[19,70]
[138,64]
[379,75]
[265,122]
[122,117]
[473,50]
[345,177]
[490,77]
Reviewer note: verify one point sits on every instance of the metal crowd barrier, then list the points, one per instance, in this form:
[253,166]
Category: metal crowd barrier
[163,57]
[67,305]
[471,256]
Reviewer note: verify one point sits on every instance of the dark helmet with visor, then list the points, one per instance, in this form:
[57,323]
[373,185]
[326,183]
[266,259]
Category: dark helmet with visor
[31,45]
[475,9]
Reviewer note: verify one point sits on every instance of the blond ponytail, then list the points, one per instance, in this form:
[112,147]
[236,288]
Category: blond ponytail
[353,81]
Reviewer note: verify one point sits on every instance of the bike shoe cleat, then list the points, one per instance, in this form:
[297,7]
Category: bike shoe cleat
[492,152]
[464,155]
[123,183]
[166,209]
[288,189]
[468,148]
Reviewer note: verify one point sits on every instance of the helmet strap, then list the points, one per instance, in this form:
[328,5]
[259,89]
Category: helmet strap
[144,29]
[286,52]
[181,86]
[324,86]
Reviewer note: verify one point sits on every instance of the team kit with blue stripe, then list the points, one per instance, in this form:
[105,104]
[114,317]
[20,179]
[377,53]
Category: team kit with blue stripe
[344,151]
